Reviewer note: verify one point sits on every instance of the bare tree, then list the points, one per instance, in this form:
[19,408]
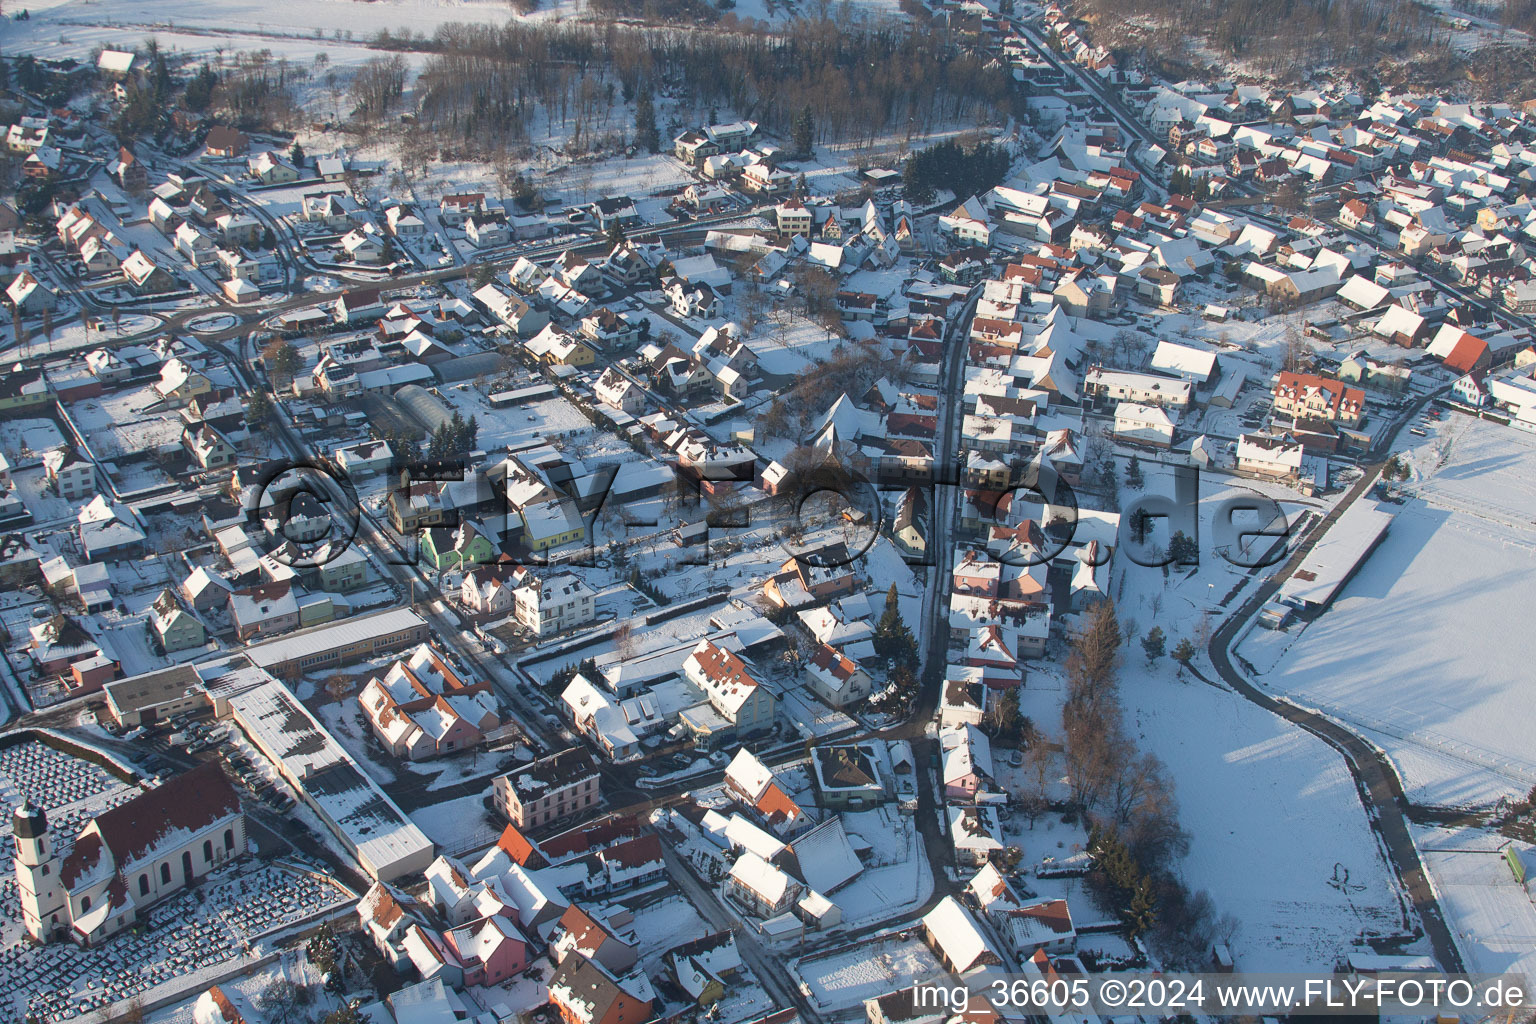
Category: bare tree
[337,687]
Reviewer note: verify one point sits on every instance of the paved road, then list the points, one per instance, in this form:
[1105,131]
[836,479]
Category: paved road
[769,970]
[1378,784]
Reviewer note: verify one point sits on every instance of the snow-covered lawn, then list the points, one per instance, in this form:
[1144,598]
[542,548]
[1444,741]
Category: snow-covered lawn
[1278,836]
[898,875]
[1490,913]
[528,423]
[1455,565]
[661,924]
[26,439]
[458,826]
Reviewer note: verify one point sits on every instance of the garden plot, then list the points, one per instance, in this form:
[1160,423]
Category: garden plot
[23,440]
[118,425]
[897,876]
[1455,564]
[525,424]
[846,977]
[661,924]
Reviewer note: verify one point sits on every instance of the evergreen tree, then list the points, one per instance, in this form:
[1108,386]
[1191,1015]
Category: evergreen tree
[199,91]
[1142,913]
[948,165]
[803,133]
[296,155]
[646,135]
[1140,523]
[1133,477]
[1183,653]
[1005,723]
[893,638]
[913,186]
[324,951]
[1153,645]
[1183,549]
[258,409]
[281,360]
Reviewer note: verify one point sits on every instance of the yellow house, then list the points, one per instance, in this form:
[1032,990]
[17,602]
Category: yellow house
[22,389]
[552,524]
[557,348]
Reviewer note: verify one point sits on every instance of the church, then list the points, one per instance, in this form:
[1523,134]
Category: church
[126,858]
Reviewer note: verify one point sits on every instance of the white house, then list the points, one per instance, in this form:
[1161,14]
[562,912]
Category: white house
[1278,458]
[555,604]
[730,688]
[615,390]
[1144,424]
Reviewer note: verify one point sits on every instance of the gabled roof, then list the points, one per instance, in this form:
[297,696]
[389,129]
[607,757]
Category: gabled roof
[958,937]
[185,804]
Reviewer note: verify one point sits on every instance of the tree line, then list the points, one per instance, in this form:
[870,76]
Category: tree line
[948,165]
[1282,36]
[485,88]
[1128,800]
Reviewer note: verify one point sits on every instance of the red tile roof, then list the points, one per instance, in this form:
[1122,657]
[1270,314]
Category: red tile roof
[189,802]
[515,845]
[1463,358]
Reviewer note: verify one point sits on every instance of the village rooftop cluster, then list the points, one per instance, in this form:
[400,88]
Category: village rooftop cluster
[673,603]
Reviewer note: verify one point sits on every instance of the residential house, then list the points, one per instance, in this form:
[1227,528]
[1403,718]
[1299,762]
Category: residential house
[731,690]
[1270,456]
[835,678]
[445,547]
[562,784]
[584,992]
[175,628]
[263,610]
[226,142]
[760,888]
[72,476]
[754,785]
[617,391]
[554,604]
[1144,424]
[422,708]
[1309,396]
[207,448]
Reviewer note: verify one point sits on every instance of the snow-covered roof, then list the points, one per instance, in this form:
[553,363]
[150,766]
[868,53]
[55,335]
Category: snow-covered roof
[362,816]
[958,936]
[826,858]
[743,834]
[761,877]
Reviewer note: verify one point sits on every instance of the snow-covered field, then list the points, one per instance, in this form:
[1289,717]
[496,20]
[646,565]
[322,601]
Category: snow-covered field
[1491,914]
[1455,565]
[527,424]
[1278,835]
[352,17]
